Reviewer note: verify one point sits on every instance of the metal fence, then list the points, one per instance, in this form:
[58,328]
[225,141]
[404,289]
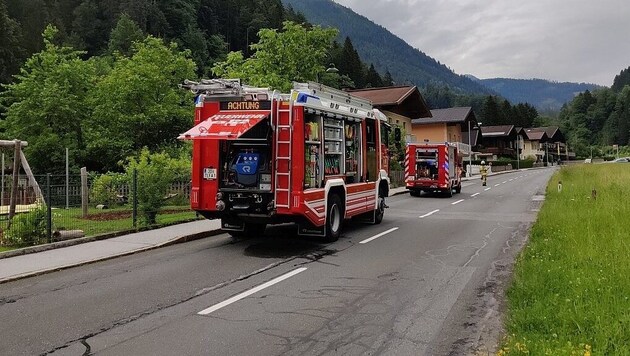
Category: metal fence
[59,207]
[397,178]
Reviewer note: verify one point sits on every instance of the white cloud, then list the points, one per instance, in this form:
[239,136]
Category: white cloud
[568,40]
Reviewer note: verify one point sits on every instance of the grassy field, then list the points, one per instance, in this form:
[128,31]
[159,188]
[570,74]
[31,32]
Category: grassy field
[571,287]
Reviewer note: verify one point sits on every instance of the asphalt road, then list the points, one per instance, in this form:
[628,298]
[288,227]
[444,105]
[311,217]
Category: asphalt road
[428,280]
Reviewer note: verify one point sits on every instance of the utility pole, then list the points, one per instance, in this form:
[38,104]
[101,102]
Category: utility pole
[469,170]
[547,153]
[518,152]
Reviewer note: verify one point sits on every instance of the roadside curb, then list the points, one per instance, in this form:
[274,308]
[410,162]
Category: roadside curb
[68,243]
[174,241]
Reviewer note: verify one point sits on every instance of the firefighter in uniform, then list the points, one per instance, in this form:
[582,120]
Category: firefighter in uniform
[484,172]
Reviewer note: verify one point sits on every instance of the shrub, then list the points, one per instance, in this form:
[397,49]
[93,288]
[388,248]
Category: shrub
[106,188]
[27,228]
[154,177]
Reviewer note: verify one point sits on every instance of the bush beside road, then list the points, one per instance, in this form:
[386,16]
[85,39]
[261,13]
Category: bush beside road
[571,285]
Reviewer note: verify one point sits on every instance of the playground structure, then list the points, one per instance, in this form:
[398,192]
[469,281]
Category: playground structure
[19,162]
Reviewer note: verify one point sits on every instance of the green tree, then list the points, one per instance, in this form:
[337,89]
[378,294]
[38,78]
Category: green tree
[33,17]
[388,81]
[295,16]
[491,114]
[90,29]
[622,79]
[47,105]
[351,65]
[124,35]
[622,110]
[372,78]
[194,40]
[294,54]
[11,51]
[138,104]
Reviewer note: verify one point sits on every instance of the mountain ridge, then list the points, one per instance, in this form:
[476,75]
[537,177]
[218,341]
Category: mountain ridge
[405,63]
[388,52]
[544,94]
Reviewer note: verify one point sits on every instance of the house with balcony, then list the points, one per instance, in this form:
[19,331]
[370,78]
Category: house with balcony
[534,141]
[401,105]
[552,143]
[448,125]
[498,141]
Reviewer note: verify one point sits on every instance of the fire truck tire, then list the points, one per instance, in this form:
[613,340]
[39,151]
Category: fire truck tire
[334,218]
[380,209]
[458,189]
[449,192]
[414,193]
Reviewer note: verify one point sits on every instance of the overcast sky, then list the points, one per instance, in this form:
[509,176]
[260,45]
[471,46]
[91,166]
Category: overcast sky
[561,40]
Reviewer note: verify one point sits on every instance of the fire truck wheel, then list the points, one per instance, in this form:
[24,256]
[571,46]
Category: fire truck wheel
[414,193]
[458,189]
[449,192]
[334,218]
[380,209]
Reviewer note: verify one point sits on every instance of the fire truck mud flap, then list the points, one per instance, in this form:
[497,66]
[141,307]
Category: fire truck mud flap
[232,225]
[307,229]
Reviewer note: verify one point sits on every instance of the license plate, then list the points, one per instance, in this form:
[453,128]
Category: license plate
[209,173]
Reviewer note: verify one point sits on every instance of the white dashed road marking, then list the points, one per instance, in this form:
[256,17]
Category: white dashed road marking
[429,214]
[379,235]
[245,294]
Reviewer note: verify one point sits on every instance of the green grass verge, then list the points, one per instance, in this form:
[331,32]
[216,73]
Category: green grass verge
[571,287]
[108,221]
[114,220]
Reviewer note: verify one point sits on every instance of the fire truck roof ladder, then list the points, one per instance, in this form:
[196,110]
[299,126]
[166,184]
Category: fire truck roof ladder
[227,88]
[284,146]
[338,101]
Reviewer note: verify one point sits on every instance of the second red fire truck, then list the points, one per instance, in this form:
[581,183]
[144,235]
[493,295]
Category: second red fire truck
[433,167]
[313,156]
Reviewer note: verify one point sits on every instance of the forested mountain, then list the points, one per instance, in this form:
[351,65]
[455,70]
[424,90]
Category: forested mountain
[377,45]
[208,28]
[599,118]
[100,78]
[543,94]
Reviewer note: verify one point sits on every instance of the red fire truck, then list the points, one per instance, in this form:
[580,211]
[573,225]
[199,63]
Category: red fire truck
[311,156]
[433,167]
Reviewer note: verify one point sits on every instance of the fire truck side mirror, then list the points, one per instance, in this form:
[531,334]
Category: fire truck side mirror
[397,134]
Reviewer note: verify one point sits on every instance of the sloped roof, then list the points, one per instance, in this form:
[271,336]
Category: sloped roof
[450,115]
[474,137]
[406,98]
[553,132]
[385,96]
[497,131]
[535,134]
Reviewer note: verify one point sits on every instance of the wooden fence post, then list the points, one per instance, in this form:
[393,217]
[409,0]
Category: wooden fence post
[84,191]
[14,185]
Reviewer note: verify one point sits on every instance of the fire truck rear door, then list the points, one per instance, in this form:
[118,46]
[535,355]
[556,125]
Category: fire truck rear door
[225,125]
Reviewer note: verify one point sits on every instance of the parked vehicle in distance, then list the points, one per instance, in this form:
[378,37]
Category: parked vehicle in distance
[588,160]
[621,160]
[433,167]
